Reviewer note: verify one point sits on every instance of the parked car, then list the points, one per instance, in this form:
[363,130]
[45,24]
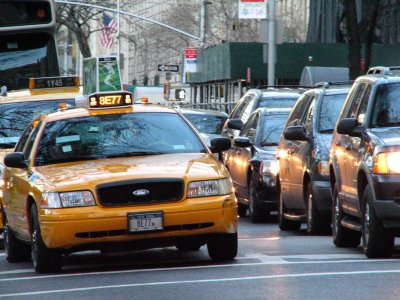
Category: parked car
[272,97]
[252,162]
[208,122]
[364,166]
[303,154]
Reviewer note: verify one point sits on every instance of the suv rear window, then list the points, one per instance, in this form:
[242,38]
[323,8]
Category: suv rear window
[277,102]
[330,109]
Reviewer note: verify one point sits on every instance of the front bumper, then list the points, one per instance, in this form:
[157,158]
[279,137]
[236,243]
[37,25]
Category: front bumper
[91,227]
[268,193]
[387,199]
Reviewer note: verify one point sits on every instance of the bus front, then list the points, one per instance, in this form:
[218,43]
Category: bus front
[27,42]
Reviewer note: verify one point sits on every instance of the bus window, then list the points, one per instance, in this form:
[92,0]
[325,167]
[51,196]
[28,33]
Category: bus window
[27,42]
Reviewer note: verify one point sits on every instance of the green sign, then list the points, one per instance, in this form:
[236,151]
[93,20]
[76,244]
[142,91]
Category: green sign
[89,75]
[101,74]
[109,78]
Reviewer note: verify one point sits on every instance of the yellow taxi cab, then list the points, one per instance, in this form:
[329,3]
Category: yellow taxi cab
[19,108]
[115,177]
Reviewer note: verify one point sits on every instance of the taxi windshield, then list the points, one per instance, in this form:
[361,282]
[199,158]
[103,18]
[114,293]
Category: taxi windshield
[14,117]
[117,135]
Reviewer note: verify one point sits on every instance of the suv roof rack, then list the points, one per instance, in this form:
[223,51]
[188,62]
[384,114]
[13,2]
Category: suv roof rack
[282,87]
[394,70]
[326,84]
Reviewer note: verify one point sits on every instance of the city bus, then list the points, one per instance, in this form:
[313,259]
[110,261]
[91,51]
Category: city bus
[27,42]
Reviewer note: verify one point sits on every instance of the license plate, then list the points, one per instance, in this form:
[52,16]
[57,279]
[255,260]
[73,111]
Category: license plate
[142,222]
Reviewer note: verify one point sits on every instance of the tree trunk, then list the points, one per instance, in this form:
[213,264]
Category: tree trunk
[353,38]
[371,22]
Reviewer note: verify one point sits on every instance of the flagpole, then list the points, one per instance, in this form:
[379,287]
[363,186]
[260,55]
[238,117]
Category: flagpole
[118,36]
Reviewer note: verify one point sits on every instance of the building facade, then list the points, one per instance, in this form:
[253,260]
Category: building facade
[144,46]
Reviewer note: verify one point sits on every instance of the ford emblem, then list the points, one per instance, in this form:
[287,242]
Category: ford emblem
[141,193]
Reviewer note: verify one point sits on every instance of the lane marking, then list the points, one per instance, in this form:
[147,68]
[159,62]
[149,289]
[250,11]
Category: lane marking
[322,274]
[271,262]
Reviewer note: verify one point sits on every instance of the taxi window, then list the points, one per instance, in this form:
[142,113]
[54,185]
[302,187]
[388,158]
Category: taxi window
[15,117]
[117,135]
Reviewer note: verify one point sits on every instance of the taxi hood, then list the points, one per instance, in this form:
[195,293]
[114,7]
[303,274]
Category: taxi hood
[88,174]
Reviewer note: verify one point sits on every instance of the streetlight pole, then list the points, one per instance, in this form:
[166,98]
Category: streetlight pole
[271,42]
[202,22]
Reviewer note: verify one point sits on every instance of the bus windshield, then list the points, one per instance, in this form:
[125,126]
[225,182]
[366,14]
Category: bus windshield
[23,56]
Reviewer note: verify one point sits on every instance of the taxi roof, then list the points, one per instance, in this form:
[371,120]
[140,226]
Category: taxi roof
[25,95]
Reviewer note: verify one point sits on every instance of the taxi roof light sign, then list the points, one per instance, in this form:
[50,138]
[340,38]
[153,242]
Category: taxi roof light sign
[110,100]
[59,84]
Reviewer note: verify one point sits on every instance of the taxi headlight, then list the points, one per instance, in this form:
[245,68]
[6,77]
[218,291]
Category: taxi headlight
[387,163]
[209,188]
[67,199]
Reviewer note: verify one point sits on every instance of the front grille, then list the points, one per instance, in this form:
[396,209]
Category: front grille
[182,227]
[152,191]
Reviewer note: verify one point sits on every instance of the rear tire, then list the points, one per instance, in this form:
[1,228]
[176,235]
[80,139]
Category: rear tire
[45,260]
[377,241]
[242,210]
[223,246]
[342,236]
[285,224]
[15,250]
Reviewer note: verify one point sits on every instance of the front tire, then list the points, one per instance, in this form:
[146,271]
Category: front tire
[45,260]
[256,214]
[317,223]
[223,246]
[377,241]
[342,236]
[285,224]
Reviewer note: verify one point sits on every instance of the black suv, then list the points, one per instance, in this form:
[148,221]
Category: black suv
[303,154]
[271,97]
[252,162]
[365,166]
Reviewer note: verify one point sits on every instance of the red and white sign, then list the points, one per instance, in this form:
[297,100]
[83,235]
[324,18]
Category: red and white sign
[190,53]
[190,65]
[253,9]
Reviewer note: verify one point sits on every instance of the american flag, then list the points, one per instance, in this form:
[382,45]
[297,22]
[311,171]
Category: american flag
[109,27]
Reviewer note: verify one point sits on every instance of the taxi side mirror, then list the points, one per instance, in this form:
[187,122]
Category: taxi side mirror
[15,160]
[220,144]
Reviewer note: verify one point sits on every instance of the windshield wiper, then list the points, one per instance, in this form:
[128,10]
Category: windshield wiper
[388,124]
[265,143]
[137,153]
[7,145]
[330,130]
[65,160]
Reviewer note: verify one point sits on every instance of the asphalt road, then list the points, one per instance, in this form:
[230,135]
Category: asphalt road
[270,265]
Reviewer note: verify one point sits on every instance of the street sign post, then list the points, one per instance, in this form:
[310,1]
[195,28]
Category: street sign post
[168,68]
